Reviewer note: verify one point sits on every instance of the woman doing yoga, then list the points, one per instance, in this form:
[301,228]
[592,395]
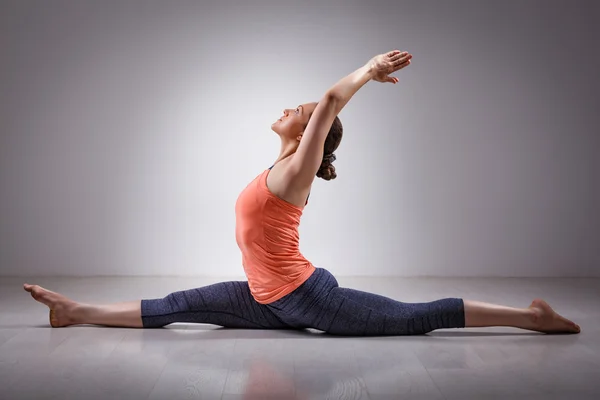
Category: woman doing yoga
[284,290]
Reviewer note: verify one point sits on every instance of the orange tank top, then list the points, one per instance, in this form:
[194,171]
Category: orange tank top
[266,231]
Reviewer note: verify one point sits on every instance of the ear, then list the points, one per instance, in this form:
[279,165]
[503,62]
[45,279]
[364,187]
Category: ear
[299,137]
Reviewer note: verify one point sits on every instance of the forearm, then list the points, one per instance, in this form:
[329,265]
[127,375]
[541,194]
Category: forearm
[345,88]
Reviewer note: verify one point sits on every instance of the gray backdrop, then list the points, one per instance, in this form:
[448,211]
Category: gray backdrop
[128,129]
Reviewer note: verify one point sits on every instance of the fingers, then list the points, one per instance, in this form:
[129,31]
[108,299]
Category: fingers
[392,79]
[399,66]
[396,54]
[400,59]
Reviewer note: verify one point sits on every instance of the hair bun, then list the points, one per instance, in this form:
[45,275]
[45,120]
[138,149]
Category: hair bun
[327,172]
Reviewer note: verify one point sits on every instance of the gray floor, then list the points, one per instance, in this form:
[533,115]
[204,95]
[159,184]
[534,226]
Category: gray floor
[205,361]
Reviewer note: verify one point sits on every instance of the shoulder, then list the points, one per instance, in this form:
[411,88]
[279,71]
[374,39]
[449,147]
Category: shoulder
[280,182]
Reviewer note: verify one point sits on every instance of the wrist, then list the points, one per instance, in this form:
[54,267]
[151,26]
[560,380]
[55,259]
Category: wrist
[368,70]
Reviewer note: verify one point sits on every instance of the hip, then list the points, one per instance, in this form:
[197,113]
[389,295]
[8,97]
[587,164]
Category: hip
[314,290]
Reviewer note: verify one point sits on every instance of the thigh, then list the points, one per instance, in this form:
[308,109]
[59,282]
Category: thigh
[229,304]
[357,313]
[235,298]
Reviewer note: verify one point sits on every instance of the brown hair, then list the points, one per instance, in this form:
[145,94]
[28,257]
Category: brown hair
[334,137]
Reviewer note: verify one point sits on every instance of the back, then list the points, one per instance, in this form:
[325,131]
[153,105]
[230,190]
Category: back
[267,235]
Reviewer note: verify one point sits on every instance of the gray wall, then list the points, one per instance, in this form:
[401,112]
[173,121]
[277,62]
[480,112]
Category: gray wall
[128,129]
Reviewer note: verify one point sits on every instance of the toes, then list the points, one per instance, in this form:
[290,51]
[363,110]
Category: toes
[40,294]
[564,325]
[574,327]
[36,292]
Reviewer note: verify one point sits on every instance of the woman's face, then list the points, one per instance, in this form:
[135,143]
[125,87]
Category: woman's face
[292,123]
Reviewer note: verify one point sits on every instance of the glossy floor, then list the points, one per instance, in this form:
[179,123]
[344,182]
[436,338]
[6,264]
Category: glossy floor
[208,362]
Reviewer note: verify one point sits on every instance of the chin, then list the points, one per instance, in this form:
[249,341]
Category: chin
[273,128]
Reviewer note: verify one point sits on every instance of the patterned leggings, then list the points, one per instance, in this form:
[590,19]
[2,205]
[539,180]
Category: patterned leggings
[318,303]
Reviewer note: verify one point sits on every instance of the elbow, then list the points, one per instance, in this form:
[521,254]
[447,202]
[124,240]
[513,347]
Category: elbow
[333,101]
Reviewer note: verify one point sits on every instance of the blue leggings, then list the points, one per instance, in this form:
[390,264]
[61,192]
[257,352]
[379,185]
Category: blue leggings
[318,303]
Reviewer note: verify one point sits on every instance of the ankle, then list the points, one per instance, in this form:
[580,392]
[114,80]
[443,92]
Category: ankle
[79,313]
[533,316]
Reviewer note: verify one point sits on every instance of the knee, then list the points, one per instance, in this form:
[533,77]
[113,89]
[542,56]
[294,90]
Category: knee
[173,302]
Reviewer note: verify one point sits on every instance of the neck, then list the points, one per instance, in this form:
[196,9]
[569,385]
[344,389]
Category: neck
[287,149]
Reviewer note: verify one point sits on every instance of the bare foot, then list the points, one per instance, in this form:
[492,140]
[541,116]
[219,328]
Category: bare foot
[548,321]
[61,307]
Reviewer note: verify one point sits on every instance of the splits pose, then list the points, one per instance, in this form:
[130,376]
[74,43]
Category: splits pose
[284,290]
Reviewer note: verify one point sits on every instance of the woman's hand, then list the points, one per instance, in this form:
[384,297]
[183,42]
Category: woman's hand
[384,64]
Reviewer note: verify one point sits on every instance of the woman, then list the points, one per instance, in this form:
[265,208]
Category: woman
[284,290]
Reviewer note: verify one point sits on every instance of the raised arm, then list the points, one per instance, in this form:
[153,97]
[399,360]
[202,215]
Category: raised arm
[309,155]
